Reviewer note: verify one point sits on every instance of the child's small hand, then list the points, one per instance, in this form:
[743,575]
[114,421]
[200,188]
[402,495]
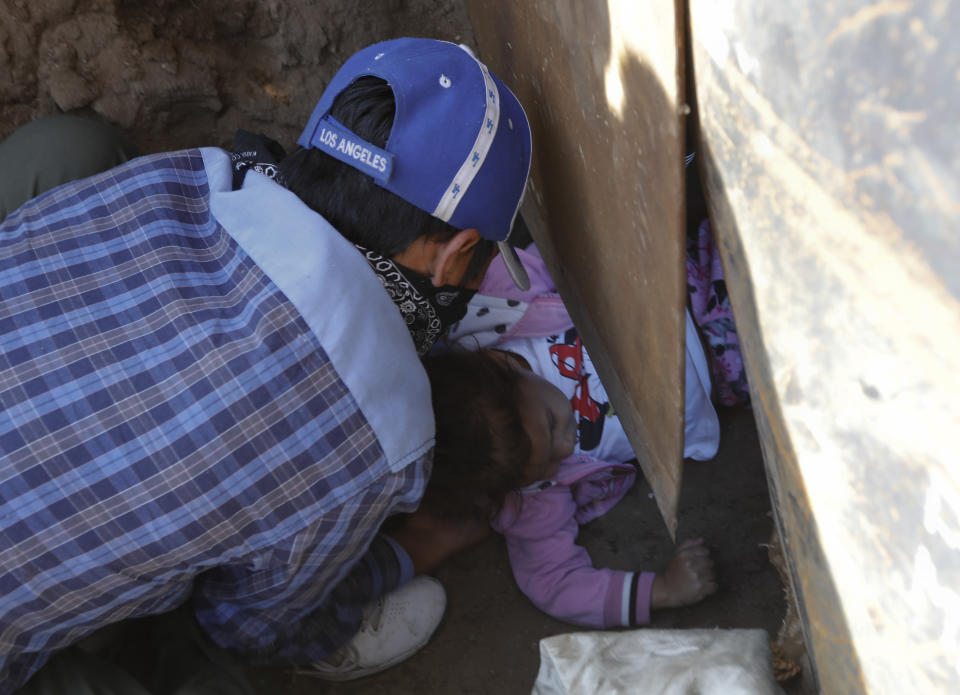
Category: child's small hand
[689,577]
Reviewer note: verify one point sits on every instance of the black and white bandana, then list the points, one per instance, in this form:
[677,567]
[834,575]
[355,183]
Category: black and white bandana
[253,152]
[428,311]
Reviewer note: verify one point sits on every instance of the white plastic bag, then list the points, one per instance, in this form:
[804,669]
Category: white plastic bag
[657,662]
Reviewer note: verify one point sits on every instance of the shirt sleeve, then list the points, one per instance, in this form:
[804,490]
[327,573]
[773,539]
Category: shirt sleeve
[301,600]
[558,576]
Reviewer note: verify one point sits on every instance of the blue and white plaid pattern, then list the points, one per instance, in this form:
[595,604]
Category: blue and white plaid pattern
[167,416]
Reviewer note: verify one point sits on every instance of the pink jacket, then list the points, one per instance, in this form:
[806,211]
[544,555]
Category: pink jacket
[540,524]
[545,314]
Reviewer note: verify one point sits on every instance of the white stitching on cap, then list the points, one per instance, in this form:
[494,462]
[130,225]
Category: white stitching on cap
[474,161]
[445,82]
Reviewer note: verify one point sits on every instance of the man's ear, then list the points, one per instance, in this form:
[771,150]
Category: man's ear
[450,263]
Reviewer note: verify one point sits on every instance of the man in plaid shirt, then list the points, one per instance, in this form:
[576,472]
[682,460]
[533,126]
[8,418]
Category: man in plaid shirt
[210,387]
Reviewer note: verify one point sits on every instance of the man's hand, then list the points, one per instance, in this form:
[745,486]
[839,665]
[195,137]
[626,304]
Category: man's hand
[689,577]
[429,539]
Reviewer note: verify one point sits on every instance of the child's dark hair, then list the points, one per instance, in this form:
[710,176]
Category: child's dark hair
[351,201]
[482,448]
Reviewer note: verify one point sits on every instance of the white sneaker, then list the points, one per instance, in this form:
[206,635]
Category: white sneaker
[394,628]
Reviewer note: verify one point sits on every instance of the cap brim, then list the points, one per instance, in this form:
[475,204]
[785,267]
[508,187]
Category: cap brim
[514,265]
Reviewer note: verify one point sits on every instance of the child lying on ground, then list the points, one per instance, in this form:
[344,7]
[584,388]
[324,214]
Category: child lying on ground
[505,446]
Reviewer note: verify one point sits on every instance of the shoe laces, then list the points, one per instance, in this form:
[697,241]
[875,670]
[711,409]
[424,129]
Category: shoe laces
[372,613]
[346,658]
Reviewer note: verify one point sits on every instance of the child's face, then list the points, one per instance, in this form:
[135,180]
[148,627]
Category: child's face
[548,419]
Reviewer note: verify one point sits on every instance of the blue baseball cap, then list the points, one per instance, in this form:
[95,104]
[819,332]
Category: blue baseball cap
[459,148]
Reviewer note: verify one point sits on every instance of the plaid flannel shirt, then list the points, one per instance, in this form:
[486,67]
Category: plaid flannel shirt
[170,425]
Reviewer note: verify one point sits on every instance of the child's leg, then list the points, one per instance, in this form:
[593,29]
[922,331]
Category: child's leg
[710,307]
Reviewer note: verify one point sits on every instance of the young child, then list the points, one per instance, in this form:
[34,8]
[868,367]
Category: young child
[535,324]
[505,447]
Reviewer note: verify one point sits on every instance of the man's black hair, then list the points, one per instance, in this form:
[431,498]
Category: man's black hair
[351,201]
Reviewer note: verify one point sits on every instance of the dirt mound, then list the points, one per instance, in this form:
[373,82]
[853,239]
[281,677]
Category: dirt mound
[181,73]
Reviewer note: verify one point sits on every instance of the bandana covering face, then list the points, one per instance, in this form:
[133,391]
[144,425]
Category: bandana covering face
[428,311]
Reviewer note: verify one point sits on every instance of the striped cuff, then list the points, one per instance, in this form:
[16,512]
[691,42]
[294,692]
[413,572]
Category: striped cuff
[635,598]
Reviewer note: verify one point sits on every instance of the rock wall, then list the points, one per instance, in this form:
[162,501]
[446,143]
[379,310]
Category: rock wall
[181,73]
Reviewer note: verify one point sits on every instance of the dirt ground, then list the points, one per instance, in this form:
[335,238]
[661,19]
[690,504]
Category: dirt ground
[181,73]
[489,640]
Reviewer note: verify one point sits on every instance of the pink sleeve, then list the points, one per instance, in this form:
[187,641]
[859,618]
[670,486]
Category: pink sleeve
[558,576]
[545,316]
[497,281]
